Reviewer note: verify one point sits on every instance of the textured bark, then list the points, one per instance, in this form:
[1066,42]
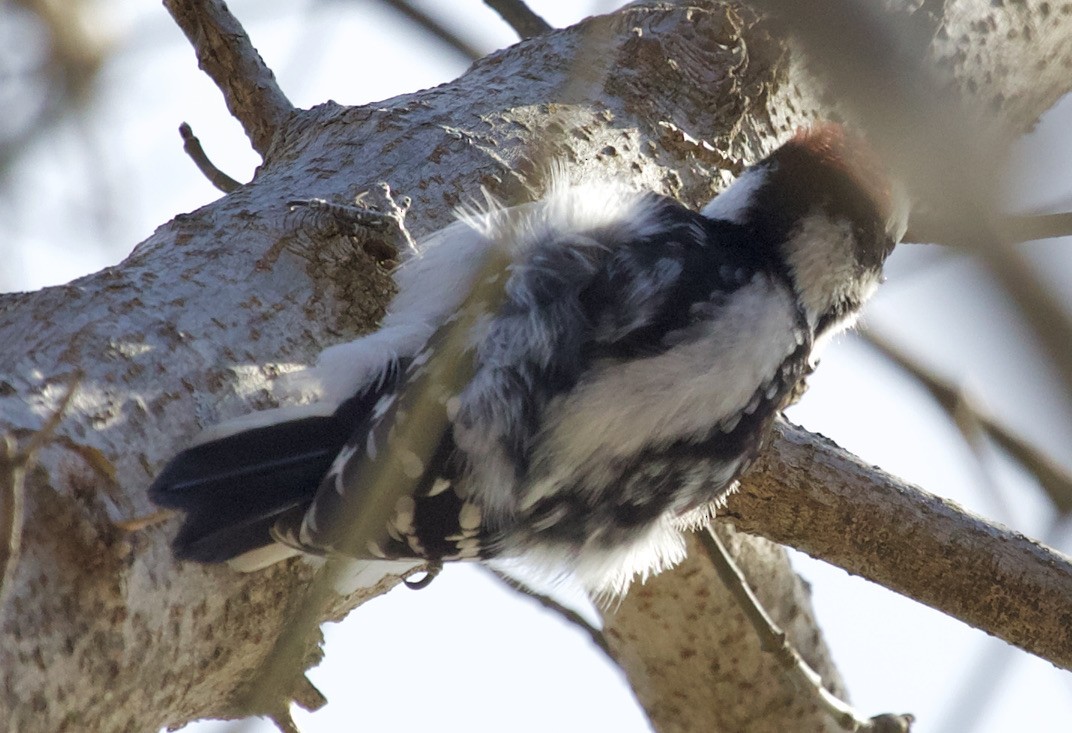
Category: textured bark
[690,652]
[225,53]
[871,524]
[100,629]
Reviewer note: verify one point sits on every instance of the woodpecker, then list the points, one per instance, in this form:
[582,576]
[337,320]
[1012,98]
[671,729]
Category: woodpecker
[628,375]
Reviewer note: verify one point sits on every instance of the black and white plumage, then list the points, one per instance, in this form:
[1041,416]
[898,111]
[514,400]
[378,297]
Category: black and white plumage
[629,376]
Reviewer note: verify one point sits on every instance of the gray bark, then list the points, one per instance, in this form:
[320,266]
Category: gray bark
[99,628]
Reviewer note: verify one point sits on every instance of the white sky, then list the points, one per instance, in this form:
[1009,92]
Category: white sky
[464,654]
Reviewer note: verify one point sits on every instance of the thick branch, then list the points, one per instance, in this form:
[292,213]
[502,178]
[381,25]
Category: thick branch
[226,54]
[809,494]
[196,325]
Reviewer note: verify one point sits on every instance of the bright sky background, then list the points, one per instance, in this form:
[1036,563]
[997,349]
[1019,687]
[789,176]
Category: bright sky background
[464,654]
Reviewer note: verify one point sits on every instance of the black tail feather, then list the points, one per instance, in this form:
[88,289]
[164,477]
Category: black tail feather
[235,488]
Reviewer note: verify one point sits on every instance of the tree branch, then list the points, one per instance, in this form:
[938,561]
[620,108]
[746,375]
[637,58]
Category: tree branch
[227,55]
[1028,227]
[15,462]
[435,29]
[12,492]
[1054,478]
[680,635]
[197,324]
[807,493]
[774,641]
[1015,228]
[192,146]
[567,614]
[520,17]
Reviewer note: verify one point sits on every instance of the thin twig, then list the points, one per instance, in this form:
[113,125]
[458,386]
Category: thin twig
[520,17]
[415,420]
[15,463]
[1028,227]
[225,52]
[283,721]
[435,29]
[773,640]
[308,697]
[12,475]
[1054,478]
[965,417]
[567,614]
[193,148]
[1015,228]
[45,433]
[137,524]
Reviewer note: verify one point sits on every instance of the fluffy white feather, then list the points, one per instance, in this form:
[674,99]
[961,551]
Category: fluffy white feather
[620,409]
[629,375]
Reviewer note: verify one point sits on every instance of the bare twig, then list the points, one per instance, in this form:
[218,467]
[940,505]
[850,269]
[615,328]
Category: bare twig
[1027,227]
[193,148]
[807,493]
[137,524]
[283,721]
[308,697]
[568,614]
[435,29]
[520,17]
[415,420]
[12,475]
[15,462]
[1053,478]
[965,417]
[1017,228]
[227,55]
[1036,303]
[774,641]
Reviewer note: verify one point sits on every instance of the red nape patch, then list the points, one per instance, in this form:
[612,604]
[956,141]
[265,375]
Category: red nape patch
[849,153]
